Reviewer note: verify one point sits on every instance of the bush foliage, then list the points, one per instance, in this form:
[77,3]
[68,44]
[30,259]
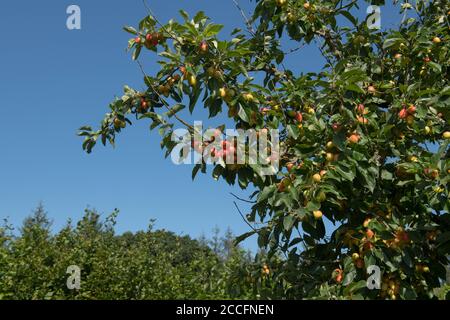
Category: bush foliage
[151,264]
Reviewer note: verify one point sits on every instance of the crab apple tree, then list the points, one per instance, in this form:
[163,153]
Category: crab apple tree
[364,156]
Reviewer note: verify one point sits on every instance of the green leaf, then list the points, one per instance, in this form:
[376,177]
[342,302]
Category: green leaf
[130,30]
[136,53]
[435,66]
[392,42]
[244,236]
[243,114]
[212,30]
[288,222]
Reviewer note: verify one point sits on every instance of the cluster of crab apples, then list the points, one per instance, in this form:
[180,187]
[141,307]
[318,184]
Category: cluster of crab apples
[390,286]
[150,40]
[407,114]
[215,148]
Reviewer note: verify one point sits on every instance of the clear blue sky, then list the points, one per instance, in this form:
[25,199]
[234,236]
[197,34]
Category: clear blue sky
[54,80]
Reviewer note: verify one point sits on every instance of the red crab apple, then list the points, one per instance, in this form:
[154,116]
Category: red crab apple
[317,177]
[204,47]
[317,214]
[354,138]
[336,127]
[290,166]
[360,108]
[412,109]
[371,89]
[403,114]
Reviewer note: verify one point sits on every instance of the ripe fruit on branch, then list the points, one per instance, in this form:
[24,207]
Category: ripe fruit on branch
[371,89]
[144,104]
[265,270]
[338,275]
[432,173]
[446,135]
[366,222]
[204,47]
[137,40]
[354,138]
[403,113]
[299,117]
[291,17]
[265,110]
[359,263]
[412,109]
[398,56]
[330,145]
[280,3]
[426,59]
[317,177]
[317,214]
[361,109]
[183,70]
[401,237]
[290,166]
[420,268]
[223,93]
[355,256]
[329,156]
[370,234]
[310,110]
[192,80]
[437,40]
[336,127]
[119,123]
[362,120]
[248,97]
[307,5]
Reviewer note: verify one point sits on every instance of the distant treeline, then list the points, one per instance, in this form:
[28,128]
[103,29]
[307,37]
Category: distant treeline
[151,264]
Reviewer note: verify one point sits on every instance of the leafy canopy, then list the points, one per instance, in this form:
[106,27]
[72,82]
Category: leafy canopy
[369,152]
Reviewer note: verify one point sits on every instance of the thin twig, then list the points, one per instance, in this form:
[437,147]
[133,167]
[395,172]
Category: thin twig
[244,200]
[166,105]
[150,11]
[243,218]
[247,21]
